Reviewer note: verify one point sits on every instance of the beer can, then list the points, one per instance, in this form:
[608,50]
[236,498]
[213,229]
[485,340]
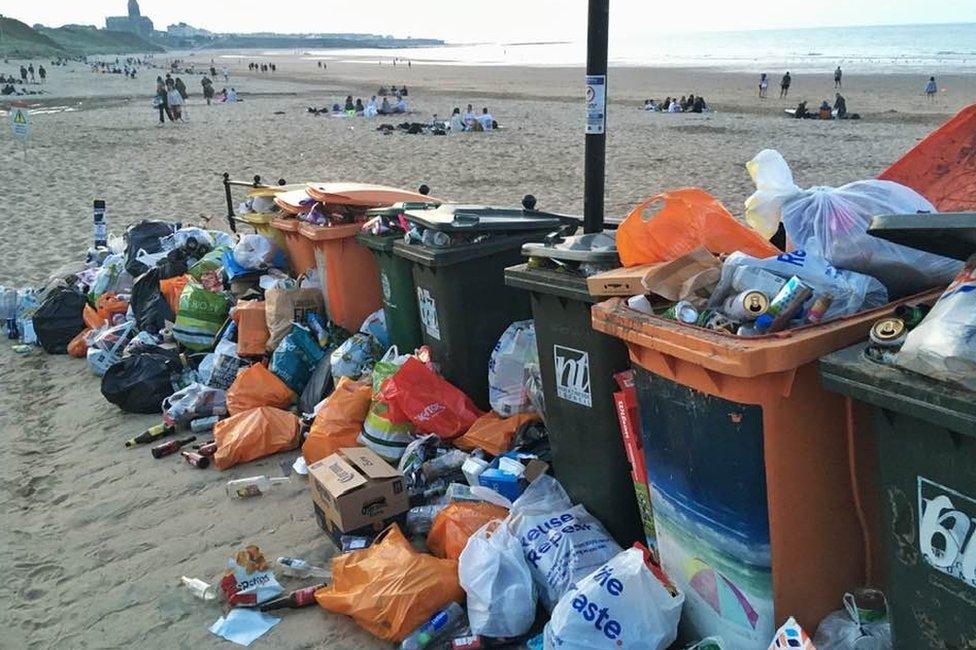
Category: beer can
[819,307]
[784,306]
[197,460]
[746,305]
[716,321]
[683,311]
[889,332]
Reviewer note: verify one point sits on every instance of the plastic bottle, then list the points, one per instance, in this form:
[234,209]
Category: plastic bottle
[298,568]
[440,626]
[199,588]
[254,486]
[444,464]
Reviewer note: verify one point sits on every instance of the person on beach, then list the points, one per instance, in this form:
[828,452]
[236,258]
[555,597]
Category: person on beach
[181,89]
[161,101]
[401,105]
[763,85]
[349,107]
[208,89]
[231,96]
[42,72]
[23,75]
[825,112]
[840,105]
[784,84]
[30,69]
[486,120]
[371,110]
[360,109]
[175,102]
[837,78]
[457,122]
[469,118]
[385,108]
[225,72]
[931,88]
[699,106]
[675,106]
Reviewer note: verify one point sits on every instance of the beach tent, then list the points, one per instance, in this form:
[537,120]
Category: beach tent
[942,167]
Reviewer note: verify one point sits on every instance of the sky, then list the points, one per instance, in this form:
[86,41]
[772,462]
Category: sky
[496,20]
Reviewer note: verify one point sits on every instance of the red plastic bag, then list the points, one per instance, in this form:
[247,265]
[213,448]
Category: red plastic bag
[429,401]
[258,386]
[254,434]
[671,224]
[389,588]
[456,523]
[339,421]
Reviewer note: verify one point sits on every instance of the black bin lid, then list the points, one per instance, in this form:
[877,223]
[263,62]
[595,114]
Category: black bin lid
[595,248]
[403,206]
[950,234]
[455,218]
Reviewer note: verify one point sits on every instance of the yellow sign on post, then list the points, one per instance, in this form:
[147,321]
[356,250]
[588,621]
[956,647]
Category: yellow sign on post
[19,120]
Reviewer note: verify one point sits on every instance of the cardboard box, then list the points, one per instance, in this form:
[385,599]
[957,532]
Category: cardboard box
[356,490]
[619,282]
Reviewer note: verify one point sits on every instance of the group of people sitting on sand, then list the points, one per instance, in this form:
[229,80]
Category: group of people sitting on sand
[471,121]
[687,104]
[383,91]
[826,111]
[372,108]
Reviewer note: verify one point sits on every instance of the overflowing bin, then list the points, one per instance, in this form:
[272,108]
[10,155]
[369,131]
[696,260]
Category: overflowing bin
[926,441]
[458,263]
[300,251]
[577,367]
[350,277]
[747,460]
[396,279]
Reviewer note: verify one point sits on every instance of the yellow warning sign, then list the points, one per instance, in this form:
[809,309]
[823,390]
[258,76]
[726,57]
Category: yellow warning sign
[19,120]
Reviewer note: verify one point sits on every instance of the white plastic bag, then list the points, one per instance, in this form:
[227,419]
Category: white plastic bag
[507,369]
[833,222]
[254,252]
[495,576]
[375,324]
[562,543]
[621,605]
[852,292]
[192,402]
[943,346]
[841,630]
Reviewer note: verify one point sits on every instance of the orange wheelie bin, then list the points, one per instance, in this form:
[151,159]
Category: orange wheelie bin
[350,277]
[750,465]
[300,250]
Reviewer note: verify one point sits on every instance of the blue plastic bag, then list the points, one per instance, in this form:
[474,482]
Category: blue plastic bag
[295,358]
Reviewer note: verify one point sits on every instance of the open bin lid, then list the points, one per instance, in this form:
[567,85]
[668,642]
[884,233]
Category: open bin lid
[597,248]
[401,207]
[950,234]
[455,218]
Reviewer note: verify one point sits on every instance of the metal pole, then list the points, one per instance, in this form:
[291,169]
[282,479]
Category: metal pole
[230,203]
[596,115]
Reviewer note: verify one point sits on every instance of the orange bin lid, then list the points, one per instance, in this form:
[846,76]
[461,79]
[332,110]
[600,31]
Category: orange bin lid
[288,224]
[323,233]
[363,194]
[739,356]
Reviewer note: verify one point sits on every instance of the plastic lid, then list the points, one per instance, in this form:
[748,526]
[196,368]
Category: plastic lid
[599,247]
[403,206]
[482,218]
[763,322]
[951,234]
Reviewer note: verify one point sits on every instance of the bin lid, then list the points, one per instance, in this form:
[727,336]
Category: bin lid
[361,194]
[849,372]
[951,234]
[597,247]
[482,218]
[401,207]
[548,281]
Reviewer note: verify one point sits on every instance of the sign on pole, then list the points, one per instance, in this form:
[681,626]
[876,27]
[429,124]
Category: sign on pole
[19,120]
[596,103]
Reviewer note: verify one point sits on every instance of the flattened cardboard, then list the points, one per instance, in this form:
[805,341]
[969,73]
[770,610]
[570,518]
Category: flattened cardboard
[626,281]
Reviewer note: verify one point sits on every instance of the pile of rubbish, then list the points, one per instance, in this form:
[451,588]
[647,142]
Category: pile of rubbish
[686,258]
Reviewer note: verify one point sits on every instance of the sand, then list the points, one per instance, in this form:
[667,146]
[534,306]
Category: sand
[95,537]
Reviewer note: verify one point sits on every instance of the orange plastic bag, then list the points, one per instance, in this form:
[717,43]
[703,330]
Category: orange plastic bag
[254,434]
[671,224]
[942,167]
[252,328]
[78,346]
[92,319]
[258,386]
[493,433]
[172,288]
[389,588]
[456,523]
[339,421]
[109,304]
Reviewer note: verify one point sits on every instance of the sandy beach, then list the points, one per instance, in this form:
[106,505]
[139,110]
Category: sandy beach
[95,537]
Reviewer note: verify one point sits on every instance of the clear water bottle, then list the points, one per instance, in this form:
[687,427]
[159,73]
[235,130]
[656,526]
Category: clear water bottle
[295,567]
[439,627]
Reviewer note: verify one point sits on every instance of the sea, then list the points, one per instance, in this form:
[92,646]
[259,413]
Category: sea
[928,49]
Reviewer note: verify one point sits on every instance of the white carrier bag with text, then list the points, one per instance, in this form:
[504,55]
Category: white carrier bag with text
[620,606]
[562,542]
